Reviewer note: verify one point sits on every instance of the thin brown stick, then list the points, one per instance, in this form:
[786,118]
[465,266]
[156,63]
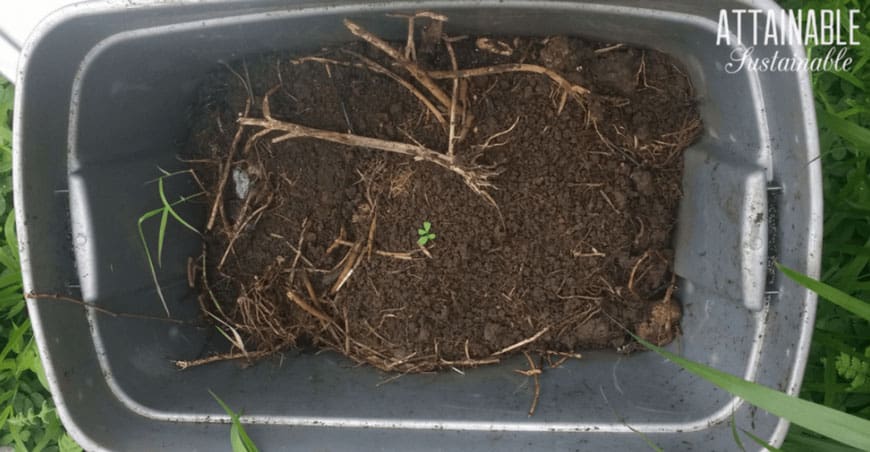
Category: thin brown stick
[609,202]
[522,342]
[451,137]
[608,48]
[564,354]
[370,242]
[346,332]
[535,373]
[372,65]
[240,228]
[218,197]
[575,91]
[410,50]
[410,66]
[312,294]
[426,14]
[298,251]
[467,118]
[350,262]
[470,362]
[486,144]
[424,250]
[634,271]
[477,178]
[182,364]
[405,256]
[101,310]
[294,297]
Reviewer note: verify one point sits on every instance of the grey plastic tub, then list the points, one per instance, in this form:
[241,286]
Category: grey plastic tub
[102,101]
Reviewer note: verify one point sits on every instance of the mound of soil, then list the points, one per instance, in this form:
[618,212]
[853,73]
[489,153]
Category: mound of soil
[563,242]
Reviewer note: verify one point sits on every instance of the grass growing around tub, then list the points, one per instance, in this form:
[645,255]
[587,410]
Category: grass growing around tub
[843,110]
[28,421]
[845,428]
[836,392]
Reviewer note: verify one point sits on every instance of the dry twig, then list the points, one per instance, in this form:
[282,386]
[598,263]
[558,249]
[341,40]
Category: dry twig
[475,176]
[535,373]
[568,89]
[410,66]
[522,342]
[101,310]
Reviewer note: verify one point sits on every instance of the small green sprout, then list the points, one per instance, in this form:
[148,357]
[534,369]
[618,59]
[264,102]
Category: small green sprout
[425,233]
[165,212]
[239,439]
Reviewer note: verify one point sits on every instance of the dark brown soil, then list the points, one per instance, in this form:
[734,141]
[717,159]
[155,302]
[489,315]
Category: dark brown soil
[579,243]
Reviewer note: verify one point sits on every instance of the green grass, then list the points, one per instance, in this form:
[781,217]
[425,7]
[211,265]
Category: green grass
[834,408]
[843,110]
[846,428]
[28,421]
[239,439]
[166,210]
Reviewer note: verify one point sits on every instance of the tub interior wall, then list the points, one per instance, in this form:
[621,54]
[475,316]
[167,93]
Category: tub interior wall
[132,114]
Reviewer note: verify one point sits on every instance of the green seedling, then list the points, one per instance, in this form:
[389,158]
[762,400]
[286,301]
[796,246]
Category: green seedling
[239,439]
[425,234]
[165,211]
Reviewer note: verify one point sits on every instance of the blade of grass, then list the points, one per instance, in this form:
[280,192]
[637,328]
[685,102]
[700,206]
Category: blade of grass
[800,440]
[760,441]
[168,206]
[161,236]
[645,439]
[849,77]
[836,296]
[736,435]
[826,421]
[11,237]
[859,136]
[151,214]
[15,338]
[151,268]
[239,439]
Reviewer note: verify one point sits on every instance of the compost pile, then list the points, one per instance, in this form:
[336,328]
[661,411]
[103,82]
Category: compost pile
[441,202]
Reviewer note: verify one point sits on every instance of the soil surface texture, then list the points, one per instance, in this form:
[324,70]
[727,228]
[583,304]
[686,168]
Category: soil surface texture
[550,218]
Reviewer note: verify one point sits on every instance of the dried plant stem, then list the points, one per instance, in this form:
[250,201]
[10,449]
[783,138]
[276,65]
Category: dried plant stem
[410,66]
[294,297]
[225,175]
[182,364]
[298,250]
[535,373]
[410,50]
[368,63]
[95,307]
[475,177]
[470,362]
[451,137]
[240,228]
[631,278]
[522,342]
[568,88]
[405,256]
[351,260]
[375,67]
